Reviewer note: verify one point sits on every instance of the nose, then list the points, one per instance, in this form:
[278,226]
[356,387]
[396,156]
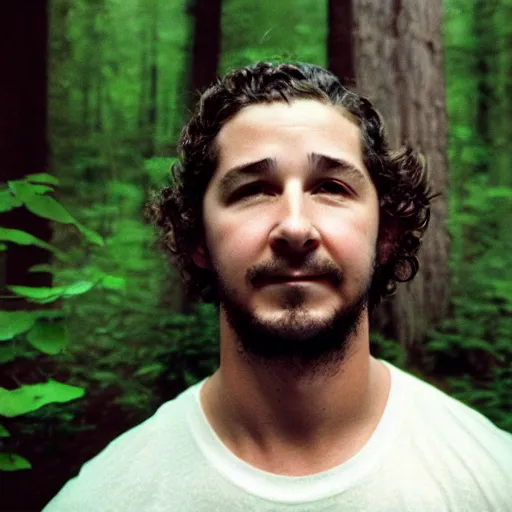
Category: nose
[294,233]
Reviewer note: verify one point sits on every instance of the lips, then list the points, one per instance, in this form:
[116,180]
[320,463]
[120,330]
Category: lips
[292,278]
[276,272]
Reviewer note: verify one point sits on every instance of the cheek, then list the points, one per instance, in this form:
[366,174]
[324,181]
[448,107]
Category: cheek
[351,238]
[236,242]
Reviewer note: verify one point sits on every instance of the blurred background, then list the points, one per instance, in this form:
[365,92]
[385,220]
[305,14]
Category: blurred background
[95,332]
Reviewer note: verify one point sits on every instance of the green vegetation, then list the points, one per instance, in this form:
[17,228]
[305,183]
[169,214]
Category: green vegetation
[122,338]
[474,346]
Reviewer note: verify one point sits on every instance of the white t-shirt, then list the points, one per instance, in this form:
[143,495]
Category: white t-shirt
[429,453]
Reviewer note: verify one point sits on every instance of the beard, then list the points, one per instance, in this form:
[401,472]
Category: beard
[298,339]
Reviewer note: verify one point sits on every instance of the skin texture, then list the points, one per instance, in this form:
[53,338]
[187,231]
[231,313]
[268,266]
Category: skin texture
[293,243]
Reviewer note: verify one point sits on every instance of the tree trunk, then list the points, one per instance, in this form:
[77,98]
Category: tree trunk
[400,68]
[205,46]
[205,57]
[340,41]
[23,136]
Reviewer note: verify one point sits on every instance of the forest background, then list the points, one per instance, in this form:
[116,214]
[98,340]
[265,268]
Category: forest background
[95,332]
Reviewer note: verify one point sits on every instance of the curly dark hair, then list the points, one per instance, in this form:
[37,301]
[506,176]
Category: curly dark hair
[400,177]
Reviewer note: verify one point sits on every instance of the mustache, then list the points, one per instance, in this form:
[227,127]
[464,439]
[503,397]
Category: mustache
[278,268]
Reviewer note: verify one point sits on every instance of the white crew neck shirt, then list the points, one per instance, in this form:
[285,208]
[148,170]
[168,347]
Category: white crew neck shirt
[429,453]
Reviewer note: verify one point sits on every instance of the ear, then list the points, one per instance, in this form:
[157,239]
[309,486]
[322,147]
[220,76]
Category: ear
[384,251]
[201,257]
[388,233]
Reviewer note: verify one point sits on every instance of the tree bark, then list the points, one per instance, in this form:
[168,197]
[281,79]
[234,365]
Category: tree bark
[340,40]
[23,135]
[205,57]
[398,48]
[205,46]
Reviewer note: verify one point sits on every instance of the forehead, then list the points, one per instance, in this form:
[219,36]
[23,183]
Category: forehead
[288,133]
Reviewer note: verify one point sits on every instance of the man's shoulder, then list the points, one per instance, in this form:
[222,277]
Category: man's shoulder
[442,438]
[131,460]
[446,423]
[167,425]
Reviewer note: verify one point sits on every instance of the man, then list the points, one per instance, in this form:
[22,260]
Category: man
[292,215]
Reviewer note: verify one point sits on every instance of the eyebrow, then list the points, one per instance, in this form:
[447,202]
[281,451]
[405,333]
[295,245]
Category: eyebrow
[240,173]
[324,163]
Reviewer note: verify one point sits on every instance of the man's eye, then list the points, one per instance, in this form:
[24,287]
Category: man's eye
[251,190]
[332,187]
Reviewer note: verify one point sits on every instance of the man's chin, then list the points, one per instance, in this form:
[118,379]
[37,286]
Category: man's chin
[296,335]
[293,326]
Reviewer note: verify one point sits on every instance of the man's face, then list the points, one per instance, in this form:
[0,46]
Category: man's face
[291,224]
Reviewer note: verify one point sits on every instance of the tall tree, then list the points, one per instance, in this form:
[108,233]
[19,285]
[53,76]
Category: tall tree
[23,134]
[398,51]
[340,40]
[204,63]
[205,46]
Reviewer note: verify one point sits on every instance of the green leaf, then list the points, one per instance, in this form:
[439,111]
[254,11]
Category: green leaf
[41,189]
[477,344]
[158,170]
[13,323]
[23,190]
[47,207]
[4,432]
[91,236]
[7,354]
[49,338]
[3,247]
[104,376]
[19,237]
[113,283]
[499,192]
[462,132]
[42,177]
[77,288]
[34,396]
[8,201]
[13,462]
[154,369]
[43,295]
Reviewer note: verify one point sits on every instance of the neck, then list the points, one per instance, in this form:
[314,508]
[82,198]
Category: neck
[263,413]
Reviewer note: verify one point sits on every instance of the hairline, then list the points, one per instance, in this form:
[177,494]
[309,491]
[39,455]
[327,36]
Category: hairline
[213,152]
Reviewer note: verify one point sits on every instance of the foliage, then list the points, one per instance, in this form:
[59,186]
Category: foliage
[473,348]
[491,399]
[117,102]
[44,330]
[475,342]
[273,31]
[387,349]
